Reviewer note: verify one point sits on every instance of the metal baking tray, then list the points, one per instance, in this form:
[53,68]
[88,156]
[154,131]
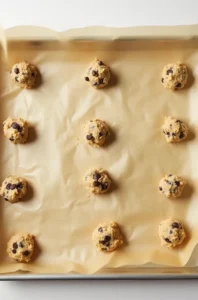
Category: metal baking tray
[135,272]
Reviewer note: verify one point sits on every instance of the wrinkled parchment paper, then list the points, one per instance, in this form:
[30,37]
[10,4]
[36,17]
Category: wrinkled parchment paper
[58,209]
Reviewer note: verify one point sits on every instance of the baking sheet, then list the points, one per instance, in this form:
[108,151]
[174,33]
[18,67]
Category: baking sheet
[58,209]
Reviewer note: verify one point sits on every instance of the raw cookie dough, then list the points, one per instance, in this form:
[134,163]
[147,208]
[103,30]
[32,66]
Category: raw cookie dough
[107,237]
[21,247]
[16,130]
[13,188]
[171,186]
[98,181]
[96,132]
[174,76]
[174,129]
[98,74]
[171,233]
[24,74]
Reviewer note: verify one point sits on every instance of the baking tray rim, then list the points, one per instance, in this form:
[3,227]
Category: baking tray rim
[96,277]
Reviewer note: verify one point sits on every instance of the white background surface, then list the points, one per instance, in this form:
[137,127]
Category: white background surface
[60,15]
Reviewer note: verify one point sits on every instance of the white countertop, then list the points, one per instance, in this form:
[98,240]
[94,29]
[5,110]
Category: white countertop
[61,15]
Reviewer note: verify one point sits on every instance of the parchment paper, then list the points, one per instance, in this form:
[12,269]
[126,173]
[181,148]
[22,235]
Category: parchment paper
[58,209]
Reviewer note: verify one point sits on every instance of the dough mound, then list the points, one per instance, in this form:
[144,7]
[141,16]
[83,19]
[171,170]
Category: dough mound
[16,130]
[96,132]
[174,129]
[98,74]
[13,189]
[171,186]
[21,247]
[107,237]
[24,74]
[174,76]
[98,181]
[171,233]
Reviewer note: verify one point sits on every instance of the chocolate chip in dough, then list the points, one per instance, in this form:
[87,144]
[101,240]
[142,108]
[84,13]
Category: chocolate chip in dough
[169,71]
[16,70]
[175,225]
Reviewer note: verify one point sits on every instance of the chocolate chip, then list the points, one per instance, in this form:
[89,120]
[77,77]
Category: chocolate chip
[89,137]
[101,81]
[16,70]
[178,85]
[95,73]
[100,63]
[173,134]
[21,245]
[181,136]
[104,186]
[15,246]
[169,71]
[170,232]
[87,78]
[175,225]
[8,186]
[14,251]
[100,229]
[160,188]
[168,133]
[170,175]
[100,134]
[16,126]
[12,139]
[96,176]
[106,240]
[96,183]
[26,253]
[16,79]
[6,199]
[95,83]
[167,181]
[32,74]
[19,185]
[13,186]
[162,80]
[167,240]
[177,182]
[102,242]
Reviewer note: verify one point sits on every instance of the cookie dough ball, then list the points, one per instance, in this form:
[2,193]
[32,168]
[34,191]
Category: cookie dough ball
[24,74]
[171,186]
[107,237]
[98,181]
[174,76]
[171,233]
[96,132]
[16,130]
[13,188]
[174,129]
[98,74]
[21,247]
